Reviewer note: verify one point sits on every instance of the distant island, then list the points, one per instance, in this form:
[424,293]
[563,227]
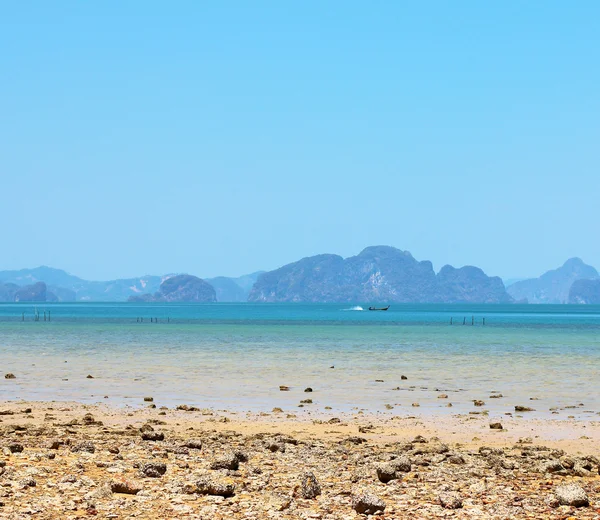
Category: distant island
[554,286]
[378,274]
[180,288]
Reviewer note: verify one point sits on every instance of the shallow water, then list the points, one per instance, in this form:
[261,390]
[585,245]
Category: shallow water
[235,356]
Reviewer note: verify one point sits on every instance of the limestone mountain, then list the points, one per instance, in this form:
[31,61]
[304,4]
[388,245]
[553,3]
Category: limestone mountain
[553,286]
[181,288]
[233,289]
[37,292]
[585,291]
[377,274]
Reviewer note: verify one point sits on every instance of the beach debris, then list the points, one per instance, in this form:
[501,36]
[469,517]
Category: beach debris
[415,405]
[284,388]
[309,486]
[10,375]
[519,408]
[404,378]
[478,402]
[89,376]
[367,504]
[496,396]
[496,426]
[148,399]
[572,495]
[379,380]
[450,500]
[443,396]
[308,389]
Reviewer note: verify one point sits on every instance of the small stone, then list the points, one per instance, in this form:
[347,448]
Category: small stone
[86,446]
[208,485]
[15,447]
[572,495]
[443,396]
[89,376]
[306,401]
[9,376]
[228,461]
[387,472]
[195,444]
[127,487]
[496,396]
[153,436]
[404,378]
[284,388]
[415,405]
[496,426]
[148,399]
[478,402]
[154,469]
[519,408]
[367,504]
[309,486]
[450,500]
[308,389]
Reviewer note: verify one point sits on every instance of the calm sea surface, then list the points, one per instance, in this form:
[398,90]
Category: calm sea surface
[235,356]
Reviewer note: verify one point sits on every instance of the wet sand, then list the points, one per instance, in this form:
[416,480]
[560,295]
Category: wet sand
[70,460]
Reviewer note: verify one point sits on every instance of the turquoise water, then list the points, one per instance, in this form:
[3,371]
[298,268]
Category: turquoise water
[235,356]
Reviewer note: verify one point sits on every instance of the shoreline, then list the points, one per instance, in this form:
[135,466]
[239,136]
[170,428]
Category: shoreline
[70,460]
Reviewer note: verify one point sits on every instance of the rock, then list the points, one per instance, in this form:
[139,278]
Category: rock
[278,502]
[496,426]
[478,402]
[240,455]
[551,466]
[148,399]
[386,472]
[86,446]
[308,389]
[450,500]
[457,458]
[309,486]
[153,436]
[9,376]
[284,388]
[54,444]
[404,378]
[127,487]
[572,495]
[519,408]
[15,447]
[228,461]
[443,396]
[416,405]
[367,504]
[195,444]
[208,485]
[496,396]
[402,464]
[306,401]
[154,469]
[89,376]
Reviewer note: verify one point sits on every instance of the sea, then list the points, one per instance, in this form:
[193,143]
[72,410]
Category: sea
[236,356]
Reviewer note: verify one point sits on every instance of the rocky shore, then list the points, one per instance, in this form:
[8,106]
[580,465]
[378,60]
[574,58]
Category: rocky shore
[68,461]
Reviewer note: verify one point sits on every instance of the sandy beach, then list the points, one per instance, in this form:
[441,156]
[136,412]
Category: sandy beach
[69,460]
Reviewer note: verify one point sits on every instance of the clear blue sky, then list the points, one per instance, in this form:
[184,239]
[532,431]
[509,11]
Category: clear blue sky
[226,137]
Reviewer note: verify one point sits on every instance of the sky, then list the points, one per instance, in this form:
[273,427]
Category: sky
[221,138]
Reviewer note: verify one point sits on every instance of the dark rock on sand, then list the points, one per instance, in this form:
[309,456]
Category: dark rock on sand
[496,426]
[154,469]
[309,389]
[228,461]
[519,408]
[367,504]
[86,446]
[9,376]
[15,447]
[309,486]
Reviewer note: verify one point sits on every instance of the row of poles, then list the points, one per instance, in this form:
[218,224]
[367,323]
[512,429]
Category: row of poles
[465,321]
[37,316]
